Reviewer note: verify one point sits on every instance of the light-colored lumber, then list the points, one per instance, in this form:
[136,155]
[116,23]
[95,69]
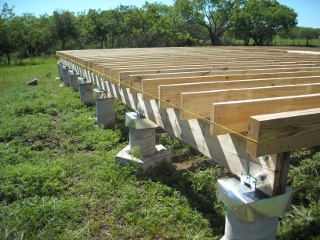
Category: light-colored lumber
[286,131]
[171,94]
[131,76]
[281,162]
[236,115]
[151,86]
[206,98]
[192,70]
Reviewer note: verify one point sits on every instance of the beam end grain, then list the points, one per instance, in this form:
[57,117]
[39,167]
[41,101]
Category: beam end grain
[282,132]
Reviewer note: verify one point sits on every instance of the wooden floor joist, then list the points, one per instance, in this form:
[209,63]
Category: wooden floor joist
[235,115]
[171,94]
[233,104]
[150,86]
[233,95]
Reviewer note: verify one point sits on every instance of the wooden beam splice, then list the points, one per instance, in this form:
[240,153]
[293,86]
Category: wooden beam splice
[281,132]
[236,115]
[206,98]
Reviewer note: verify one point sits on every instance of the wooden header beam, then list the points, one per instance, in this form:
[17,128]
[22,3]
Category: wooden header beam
[282,132]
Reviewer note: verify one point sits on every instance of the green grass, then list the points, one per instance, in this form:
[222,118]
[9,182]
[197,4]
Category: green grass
[59,179]
[277,41]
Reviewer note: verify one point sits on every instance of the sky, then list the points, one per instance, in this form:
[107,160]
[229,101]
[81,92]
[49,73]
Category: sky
[308,10]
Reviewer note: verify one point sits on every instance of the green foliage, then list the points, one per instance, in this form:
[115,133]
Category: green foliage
[43,218]
[64,27]
[185,23]
[302,221]
[261,20]
[213,16]
[305,180]
[26,180]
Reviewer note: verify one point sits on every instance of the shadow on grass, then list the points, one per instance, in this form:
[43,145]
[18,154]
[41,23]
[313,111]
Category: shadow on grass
[198,185]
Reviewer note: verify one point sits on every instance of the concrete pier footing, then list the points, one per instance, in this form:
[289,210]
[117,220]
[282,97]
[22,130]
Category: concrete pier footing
[251,214]
[65,76]
[104,108]
[60,77]
[86,91]
[142,148]
[73,81]
[236,228]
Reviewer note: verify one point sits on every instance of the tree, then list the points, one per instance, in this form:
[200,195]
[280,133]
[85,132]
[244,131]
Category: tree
[64,27]
[213,15]
[150,26]
[10,32]
[308,33]
[261,20]
[36,36]
[98,26]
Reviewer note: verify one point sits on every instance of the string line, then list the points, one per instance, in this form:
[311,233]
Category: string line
[197,116]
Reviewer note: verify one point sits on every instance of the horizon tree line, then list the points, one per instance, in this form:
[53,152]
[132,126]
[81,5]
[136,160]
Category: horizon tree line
[185,23]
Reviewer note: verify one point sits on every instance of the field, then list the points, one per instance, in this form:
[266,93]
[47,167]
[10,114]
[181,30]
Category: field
[59,179]
[277,41]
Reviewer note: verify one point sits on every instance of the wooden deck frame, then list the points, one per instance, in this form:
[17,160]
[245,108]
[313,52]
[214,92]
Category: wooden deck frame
[230,150]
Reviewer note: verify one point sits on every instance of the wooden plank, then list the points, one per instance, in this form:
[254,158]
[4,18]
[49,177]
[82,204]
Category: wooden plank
[206,98]
[131,76]
[249,67]
[227,113]
[281,162]
[284,131]
[151,86]
[171,94]
[183,68]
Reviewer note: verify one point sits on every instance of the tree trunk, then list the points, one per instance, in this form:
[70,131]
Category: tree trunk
[246,41]
[63,44]
[8,57]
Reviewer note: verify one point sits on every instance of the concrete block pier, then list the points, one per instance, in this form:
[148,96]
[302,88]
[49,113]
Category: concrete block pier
[65,76]
[59,65]
[86,91]
[73,80]
[142,148]
[104,108]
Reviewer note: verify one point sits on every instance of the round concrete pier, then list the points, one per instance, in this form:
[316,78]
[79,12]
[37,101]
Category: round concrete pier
[86,91]
[238,229]
[65,76]
[105,112]
[73,80]
[144,139]
[60,76]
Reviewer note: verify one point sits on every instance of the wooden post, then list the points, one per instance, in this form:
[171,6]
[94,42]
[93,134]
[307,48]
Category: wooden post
[281,162]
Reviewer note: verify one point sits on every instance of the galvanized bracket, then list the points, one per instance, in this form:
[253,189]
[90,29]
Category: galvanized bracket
[248,180]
